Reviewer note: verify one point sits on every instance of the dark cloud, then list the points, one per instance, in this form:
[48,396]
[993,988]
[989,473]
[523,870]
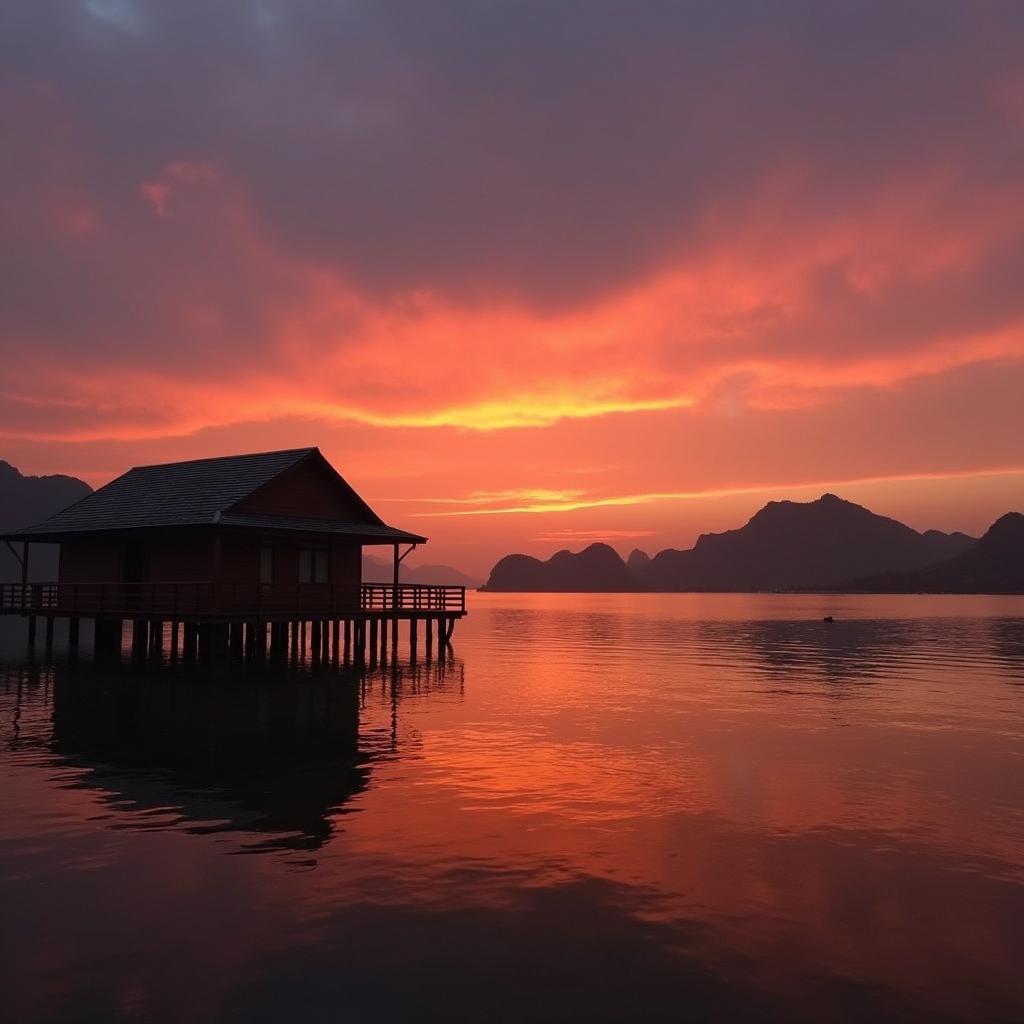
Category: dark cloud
[547,148]
[545,152]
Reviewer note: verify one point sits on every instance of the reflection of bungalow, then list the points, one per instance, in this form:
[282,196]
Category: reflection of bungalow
[275,537]
[274,760]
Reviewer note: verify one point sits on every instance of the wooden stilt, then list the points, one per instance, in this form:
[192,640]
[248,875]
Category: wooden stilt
[74,629]
[140,640]
[347,651]
[374,627]
[156,639]
[430,639]
[414,628]
[49,636]
[173,641]
[190,645]
[107,639]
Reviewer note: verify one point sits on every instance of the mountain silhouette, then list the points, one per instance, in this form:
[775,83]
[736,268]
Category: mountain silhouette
[25,500]
[787,545]
[595,568]
[791,545]
[381,570]
[638,562]
[993,565]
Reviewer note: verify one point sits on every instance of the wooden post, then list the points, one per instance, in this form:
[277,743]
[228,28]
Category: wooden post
[74,626]
[173,638]
[156,638]
[413,639]
[347,652]
[216,571]
[374,625]
[315,641]
[140,639]
[191,639]
[24,576]
[430,638]
[397,573]
[31,634]
[49,636]
[361,641]
[335,642]
[107,639]
[213,642]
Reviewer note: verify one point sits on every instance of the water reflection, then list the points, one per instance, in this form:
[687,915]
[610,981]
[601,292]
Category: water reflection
[273,757]
[1008,645]
[855,650]
[647,810]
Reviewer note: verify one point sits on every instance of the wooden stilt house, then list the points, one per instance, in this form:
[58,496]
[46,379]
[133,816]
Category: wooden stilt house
[273,537]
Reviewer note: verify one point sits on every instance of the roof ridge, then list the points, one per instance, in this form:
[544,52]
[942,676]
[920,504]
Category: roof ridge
[221,458]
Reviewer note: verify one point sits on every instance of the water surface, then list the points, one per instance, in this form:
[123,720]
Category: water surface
[609,807]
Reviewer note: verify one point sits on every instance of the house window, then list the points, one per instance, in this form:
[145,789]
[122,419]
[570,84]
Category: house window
[266,565]
[312,566]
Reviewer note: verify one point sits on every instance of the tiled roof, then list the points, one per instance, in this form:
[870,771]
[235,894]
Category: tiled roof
[198,493]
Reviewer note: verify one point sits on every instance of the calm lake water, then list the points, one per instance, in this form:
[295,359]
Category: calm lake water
[604,808]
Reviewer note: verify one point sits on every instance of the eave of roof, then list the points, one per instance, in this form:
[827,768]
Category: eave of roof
[367,533]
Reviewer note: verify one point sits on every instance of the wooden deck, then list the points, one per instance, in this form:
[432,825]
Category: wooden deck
[204,601]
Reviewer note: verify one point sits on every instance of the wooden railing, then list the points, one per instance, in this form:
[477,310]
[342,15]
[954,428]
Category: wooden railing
[191,599]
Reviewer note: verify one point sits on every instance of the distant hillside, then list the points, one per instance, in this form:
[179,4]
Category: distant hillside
[994,565]
[786,546]
[596,568]
[25,500]
[638,562]
[380,570]
[791,545]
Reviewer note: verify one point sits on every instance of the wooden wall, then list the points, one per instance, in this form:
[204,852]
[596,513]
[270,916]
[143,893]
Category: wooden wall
[309,491]
[190,557]
[90,561]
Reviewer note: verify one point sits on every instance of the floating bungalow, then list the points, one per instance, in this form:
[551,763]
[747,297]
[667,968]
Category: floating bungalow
[238,555]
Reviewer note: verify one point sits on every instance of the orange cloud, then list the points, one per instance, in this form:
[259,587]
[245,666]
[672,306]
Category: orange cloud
[702,285]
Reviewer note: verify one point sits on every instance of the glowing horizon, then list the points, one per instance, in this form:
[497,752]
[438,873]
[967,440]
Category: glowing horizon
[525,274]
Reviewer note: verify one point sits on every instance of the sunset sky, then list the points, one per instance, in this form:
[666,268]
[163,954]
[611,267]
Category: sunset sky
[531,274]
